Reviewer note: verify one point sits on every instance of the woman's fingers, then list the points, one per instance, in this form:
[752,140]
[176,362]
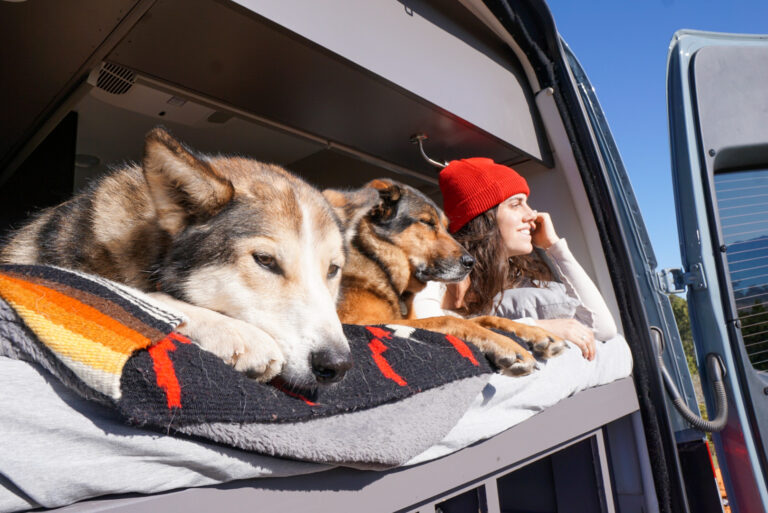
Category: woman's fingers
[590,350]
[573,330]
[544,234]
[584,338]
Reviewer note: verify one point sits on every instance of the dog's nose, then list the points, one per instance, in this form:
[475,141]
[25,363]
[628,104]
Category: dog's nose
[330,366]
[467,261]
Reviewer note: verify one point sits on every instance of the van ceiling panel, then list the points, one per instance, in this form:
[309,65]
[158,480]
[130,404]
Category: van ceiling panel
[225,52]
[44,47]
[111,129]
[335,170]
[422,49]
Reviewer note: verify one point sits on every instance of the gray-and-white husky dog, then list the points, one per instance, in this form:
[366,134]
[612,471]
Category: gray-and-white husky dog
[251,254]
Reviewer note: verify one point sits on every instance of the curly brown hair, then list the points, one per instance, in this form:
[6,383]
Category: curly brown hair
[493,272]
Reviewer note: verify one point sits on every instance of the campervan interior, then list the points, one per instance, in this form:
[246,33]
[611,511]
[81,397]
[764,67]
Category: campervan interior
[111,127]
[338,104]
[271,94]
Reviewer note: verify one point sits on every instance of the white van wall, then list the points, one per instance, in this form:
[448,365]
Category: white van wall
[565,198]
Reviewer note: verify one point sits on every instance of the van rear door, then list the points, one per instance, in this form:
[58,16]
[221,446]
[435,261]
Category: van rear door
[717,93]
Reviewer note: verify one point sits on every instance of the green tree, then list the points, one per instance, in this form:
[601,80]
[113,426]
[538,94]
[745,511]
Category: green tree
[680,309]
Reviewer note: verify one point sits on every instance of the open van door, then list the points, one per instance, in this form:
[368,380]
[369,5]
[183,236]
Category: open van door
[717,92]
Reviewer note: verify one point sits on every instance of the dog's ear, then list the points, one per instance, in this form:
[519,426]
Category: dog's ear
[351,207]
[183,187]
[389,194]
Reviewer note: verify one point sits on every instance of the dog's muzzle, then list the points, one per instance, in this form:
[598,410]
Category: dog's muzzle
[446,270]
[330,366]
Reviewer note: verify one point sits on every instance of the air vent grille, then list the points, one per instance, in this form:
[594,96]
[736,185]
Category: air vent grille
[115,79]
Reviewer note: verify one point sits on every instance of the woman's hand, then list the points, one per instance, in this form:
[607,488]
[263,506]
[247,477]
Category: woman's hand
[573,330]
[543,234]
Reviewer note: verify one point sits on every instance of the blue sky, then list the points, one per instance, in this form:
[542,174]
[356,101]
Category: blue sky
[622,45]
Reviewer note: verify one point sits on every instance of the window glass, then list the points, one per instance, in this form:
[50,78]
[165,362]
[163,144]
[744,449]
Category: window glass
[742,202]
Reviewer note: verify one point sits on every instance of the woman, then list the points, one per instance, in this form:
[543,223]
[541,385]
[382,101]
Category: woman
[487,206]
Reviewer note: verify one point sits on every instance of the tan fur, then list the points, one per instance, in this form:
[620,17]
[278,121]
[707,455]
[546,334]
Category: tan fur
[166,169]
[372,295]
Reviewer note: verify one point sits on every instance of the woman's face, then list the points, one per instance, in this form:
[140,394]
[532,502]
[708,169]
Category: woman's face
[515,220]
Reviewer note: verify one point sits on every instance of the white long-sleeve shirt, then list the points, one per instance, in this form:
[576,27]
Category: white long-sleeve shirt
[590,307]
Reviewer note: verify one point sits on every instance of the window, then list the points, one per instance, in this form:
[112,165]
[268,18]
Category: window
[742,203]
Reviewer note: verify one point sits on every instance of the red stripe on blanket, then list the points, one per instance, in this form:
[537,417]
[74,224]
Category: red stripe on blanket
[178,337]
[278,384]
[379,332]
[164,371]
[462,349]
[377,347]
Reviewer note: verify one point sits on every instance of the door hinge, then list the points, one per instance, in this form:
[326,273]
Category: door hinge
[674,281]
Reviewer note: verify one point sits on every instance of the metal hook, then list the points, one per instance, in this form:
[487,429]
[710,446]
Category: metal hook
[419,139]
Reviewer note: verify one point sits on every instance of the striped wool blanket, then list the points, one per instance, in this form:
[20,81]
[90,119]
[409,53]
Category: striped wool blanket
[114,345]
[92,325]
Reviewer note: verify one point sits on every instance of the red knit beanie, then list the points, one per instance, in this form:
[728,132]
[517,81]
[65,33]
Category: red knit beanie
[472,186]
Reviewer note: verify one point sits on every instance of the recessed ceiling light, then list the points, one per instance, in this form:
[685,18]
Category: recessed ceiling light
[176,101]
[86,161]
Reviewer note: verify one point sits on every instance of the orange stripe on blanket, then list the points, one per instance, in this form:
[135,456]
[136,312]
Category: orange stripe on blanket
[68,345]
[72,314]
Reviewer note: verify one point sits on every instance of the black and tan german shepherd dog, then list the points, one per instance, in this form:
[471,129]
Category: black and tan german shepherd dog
[399,243]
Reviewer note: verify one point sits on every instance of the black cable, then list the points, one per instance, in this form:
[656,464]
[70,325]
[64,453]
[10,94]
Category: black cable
[715,373]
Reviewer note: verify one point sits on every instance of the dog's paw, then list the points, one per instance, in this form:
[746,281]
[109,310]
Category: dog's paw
[518,363]
[240,344]
[545,344]
[262,360]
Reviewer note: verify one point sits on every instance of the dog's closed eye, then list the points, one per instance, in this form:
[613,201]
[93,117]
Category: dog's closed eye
[429,222]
